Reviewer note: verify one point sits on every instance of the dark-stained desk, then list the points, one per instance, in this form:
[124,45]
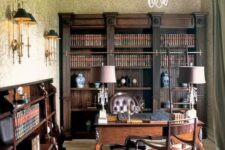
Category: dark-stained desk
[116,133]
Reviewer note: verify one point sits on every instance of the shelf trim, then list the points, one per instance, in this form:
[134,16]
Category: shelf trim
[32,102]
[133,67]
[52,114]
[83,47]
[120,52]
[133,88]
[117,67]
[83,109]
[49,80]
[84,89]
[132,46]
[85,53]
[87,27]
[139,53]
[178,47]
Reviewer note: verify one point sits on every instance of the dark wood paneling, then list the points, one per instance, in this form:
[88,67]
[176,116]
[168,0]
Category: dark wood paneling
[133,21]
[177,21]
[88,21]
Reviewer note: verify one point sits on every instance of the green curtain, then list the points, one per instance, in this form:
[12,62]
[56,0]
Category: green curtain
[219,71]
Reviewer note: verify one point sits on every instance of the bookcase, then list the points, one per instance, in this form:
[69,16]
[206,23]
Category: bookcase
[141,46]
[31,106]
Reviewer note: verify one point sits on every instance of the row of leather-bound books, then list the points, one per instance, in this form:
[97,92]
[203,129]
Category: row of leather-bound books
[26,120]
[120,60]
[133,40]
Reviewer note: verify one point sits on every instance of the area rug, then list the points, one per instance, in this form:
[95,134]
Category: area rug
[82,144]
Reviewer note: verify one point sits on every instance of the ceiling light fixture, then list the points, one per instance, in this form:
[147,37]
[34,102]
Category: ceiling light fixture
[157,3]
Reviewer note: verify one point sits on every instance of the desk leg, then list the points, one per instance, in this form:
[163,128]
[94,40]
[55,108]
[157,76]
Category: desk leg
[98,146]
[199,140]
[199,145]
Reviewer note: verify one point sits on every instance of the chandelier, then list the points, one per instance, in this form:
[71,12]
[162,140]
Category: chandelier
[157,3]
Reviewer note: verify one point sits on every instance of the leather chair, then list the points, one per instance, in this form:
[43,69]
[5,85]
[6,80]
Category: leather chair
[121,102]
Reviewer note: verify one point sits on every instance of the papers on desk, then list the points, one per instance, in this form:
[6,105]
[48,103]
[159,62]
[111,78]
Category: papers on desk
[156,116]
[143,117]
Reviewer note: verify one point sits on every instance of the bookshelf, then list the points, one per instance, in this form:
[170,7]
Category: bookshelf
[31,116]
[137,44]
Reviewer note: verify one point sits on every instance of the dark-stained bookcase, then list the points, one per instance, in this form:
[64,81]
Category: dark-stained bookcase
[31,118]
[140,46]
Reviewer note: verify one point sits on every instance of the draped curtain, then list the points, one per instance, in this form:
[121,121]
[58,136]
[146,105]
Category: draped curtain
[219,72]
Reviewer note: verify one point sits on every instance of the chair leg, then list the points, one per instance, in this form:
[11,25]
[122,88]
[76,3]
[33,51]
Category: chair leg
[140,145]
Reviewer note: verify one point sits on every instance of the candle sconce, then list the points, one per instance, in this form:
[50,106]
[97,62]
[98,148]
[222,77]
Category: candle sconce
[21,18]
[51,39]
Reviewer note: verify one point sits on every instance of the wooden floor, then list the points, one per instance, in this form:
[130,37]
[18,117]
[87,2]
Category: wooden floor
[87,144]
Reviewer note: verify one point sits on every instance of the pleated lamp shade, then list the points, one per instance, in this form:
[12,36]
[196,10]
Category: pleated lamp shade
[104,74]
[192,74]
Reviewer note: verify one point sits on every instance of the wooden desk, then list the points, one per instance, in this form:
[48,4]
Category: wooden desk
[116,133]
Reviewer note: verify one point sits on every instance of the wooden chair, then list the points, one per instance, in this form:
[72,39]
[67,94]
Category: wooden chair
[172,136]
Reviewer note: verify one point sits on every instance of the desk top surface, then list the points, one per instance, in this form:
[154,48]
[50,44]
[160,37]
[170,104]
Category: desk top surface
[150,123]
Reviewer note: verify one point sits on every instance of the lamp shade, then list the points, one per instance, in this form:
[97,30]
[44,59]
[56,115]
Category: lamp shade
[104,74]
[52,34]
[192,74]
[32,21]
[22,15]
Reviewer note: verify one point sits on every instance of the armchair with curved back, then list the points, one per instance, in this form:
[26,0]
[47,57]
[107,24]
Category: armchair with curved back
[175,132]
[120,103]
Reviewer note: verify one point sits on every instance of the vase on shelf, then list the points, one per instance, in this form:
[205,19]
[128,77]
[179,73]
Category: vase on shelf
[80,80]
[165,81]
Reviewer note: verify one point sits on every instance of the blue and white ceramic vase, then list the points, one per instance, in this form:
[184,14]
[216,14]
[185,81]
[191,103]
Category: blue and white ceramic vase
[80,80]
[165,81]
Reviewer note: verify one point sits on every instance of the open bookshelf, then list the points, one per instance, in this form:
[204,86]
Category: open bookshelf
[137,45]
[31,106]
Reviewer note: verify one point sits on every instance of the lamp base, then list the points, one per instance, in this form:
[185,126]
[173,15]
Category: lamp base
[102,117]
[191,113]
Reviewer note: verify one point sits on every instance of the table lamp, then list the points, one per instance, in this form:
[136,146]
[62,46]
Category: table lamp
[104,74]
[192,75]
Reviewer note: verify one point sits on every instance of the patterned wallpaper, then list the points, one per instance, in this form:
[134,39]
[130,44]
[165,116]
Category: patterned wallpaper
[127,6]
[35,67]
[45,12]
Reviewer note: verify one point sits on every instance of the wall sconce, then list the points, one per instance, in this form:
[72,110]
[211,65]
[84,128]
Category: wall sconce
[21,17]
[51,45]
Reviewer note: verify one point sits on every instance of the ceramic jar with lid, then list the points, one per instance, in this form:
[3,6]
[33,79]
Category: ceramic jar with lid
[80,80]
